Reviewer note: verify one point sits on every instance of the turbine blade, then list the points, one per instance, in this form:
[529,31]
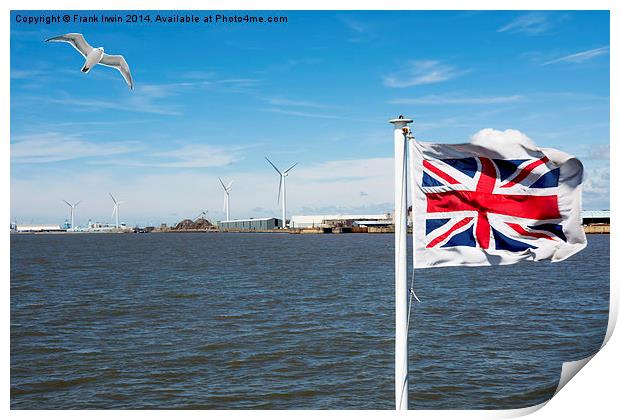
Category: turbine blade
[67,203]
[229,184]
[222,182]
[280,189]
[114,210]
[291,168]
[76,204]
[274,166]
[113,199]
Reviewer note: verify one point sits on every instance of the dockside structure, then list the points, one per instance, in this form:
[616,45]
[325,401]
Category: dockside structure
[267,223]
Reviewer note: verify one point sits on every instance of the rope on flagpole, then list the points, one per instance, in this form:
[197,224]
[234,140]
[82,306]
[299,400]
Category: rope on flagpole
[411,171]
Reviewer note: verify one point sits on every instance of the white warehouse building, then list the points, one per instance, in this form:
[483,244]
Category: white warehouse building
[327,220]
[37,228]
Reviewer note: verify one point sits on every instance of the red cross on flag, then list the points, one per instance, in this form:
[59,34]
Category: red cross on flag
[497,200]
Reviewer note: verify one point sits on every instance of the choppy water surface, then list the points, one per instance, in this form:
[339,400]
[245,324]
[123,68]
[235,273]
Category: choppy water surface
[277,321]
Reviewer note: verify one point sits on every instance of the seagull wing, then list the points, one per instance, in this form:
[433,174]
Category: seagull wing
[118,62]
[76,40]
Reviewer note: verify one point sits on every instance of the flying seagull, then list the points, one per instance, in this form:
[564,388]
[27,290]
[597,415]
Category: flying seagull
[95,56]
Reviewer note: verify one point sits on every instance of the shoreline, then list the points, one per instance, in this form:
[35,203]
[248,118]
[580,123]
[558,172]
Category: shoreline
[597,229]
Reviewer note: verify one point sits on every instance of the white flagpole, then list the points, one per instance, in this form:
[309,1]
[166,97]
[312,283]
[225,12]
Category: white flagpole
[401,381]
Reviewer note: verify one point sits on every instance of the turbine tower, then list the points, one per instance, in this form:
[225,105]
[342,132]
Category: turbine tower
[72,206]
[226,198]
[115,209]
[282,188]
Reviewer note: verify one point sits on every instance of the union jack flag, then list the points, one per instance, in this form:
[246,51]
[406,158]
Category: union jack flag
[503,207]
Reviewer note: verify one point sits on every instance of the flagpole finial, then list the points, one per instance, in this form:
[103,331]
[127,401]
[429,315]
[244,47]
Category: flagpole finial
[401,121]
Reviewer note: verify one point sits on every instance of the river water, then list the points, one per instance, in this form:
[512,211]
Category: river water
[277,321]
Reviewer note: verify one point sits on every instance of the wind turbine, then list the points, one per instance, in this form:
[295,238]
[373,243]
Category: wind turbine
[115,209]
[282,188]
[226,198]
[72,206]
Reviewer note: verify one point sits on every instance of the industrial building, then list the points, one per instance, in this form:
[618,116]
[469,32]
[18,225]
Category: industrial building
[37,228]
[268,223]
[589,217]
[340,220]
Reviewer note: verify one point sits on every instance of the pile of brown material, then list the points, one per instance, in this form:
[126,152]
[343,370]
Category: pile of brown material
[203,224]
[199,224]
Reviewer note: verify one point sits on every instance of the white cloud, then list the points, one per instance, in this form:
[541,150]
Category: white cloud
[421,72]
[174,195]
[185,156]
[196,156]
[596,188]
[56,147]
[579,57]
[597,181]
[169,196]
[352,169]
[447,100]
[490,137]
[599,152]
[531,24]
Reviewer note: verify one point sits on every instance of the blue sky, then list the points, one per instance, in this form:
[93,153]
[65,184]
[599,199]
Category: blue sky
[212,100]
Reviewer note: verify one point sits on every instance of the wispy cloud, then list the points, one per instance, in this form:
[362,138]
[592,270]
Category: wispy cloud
[26,74]
[596,181]
[360,30]
[138,104]
[447,100]
[598,152]
[153,98]
[299,103]
[347,170]
[286,66]
[354,24]
[187,156]
[579,57]
[197,156]
[57,147]
[531,24]
[421,72]
[298,113]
